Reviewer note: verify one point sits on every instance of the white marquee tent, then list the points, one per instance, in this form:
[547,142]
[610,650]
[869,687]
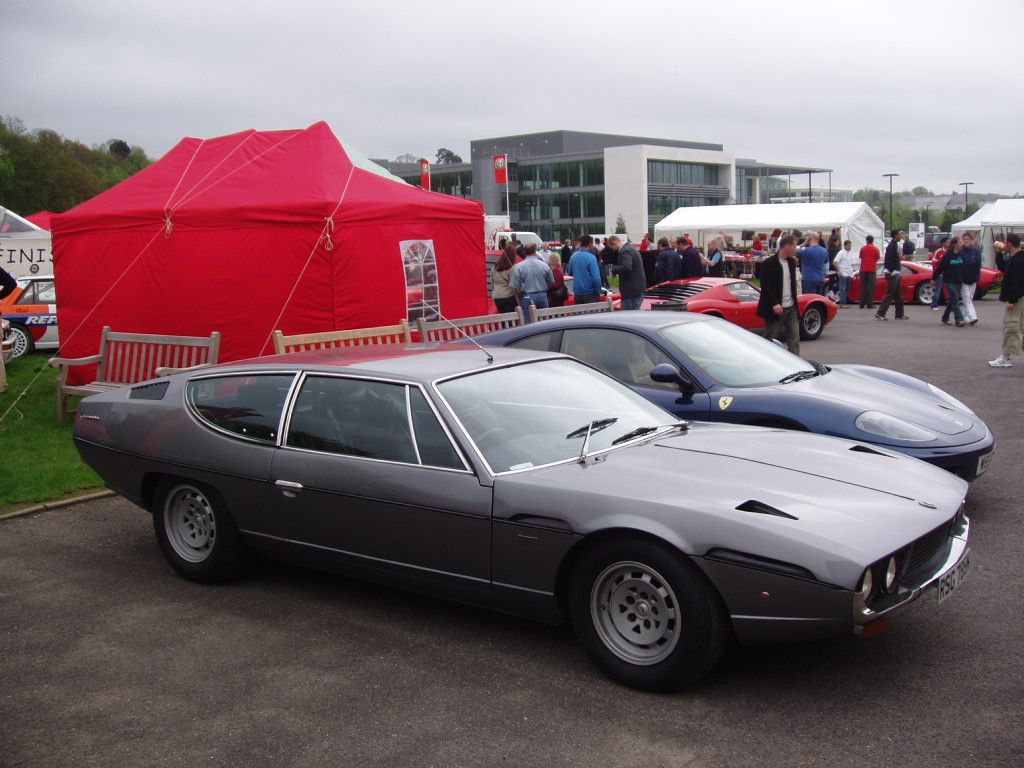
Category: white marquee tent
[994,221]
[855,220]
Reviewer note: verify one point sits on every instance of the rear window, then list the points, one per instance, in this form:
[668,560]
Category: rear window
[248,406]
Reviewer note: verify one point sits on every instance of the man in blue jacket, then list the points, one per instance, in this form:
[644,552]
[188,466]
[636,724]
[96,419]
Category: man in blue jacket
[586,273]
[813,265]
[972,274]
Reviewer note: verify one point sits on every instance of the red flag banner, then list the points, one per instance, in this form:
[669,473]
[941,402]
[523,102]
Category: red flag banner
[425,174]
[501,169]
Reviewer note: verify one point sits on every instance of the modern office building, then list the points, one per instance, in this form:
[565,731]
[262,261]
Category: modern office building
[564,183]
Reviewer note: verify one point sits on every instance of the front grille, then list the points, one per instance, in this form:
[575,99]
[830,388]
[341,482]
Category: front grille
[675,291]
[923,551]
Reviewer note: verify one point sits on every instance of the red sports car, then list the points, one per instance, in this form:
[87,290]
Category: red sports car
[736,301]
[917,283]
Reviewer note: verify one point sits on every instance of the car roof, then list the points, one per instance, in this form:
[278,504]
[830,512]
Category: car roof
[416,362]
[648,319]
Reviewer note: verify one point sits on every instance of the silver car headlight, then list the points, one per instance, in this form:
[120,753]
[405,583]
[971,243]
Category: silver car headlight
[878,423]
[949,399]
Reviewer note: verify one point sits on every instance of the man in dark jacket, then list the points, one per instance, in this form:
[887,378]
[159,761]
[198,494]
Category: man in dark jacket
[893,266]
[692,264]
[1012,294]
[669,264]
[972,274]
[630,269]
[778,302]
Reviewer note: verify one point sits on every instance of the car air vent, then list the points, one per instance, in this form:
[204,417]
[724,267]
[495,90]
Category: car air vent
[675,291]
[149,391]
[760,508]
[866,449]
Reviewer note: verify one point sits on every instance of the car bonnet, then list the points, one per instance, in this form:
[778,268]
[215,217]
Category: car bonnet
[868,393]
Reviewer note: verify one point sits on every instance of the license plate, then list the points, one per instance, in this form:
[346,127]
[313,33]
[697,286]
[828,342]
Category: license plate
[950,581]
[983,461]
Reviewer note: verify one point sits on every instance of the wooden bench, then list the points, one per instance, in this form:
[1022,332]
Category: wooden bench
[571,309]
[382,334]
[128,358]
[453,330]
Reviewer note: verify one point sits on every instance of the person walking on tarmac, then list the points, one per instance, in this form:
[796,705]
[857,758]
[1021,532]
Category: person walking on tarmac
[893,278]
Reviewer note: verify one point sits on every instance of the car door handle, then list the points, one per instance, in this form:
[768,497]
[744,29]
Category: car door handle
[288,488]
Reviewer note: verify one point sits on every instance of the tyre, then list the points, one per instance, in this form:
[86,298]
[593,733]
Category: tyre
[924,292]
[23,342]
[812,323]
[196,533]
[647,617]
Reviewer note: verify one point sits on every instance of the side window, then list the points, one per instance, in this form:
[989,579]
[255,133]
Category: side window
[905,270]
[744,291]
[623,355]
[539,342]
[354,417]
[248,406]
[435,447]
[46,293]
[28,296]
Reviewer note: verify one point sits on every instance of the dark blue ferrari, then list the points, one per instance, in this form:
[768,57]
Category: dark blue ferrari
[705,368]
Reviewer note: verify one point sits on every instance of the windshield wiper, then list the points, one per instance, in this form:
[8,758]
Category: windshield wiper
[594,426]
[798,376]
[646,430]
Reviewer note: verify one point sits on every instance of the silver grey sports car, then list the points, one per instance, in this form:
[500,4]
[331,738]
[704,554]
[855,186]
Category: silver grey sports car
[531,483]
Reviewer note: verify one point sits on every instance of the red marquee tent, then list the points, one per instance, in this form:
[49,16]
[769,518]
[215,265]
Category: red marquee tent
[263,230]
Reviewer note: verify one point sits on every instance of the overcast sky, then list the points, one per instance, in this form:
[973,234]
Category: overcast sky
[864,87]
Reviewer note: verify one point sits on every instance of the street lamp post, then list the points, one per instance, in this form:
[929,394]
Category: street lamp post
[890,175]
[965,185]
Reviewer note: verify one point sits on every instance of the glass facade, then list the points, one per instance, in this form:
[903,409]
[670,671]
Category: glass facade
[568,173]
[683,174]
[660,206]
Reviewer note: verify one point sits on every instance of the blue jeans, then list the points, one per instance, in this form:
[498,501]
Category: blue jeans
[937,296]
[813,286]
[634,302]
[844,289]
[953,303]
[538,299]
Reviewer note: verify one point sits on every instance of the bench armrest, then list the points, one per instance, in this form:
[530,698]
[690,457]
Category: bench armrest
[166,371]
[57,362]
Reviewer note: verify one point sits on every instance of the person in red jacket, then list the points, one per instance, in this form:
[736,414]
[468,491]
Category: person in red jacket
[869,256]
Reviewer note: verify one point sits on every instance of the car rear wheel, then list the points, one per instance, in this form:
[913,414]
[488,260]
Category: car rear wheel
[647,618]
[23,343]
[924,293]
[812,323]
[196,533]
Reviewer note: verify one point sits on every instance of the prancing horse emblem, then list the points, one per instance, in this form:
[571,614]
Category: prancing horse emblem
[724,402]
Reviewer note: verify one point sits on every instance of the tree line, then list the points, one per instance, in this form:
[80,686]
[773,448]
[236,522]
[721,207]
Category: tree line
[902,215]
[40,170]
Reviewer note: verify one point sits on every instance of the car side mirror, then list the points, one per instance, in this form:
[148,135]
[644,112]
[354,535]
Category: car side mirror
[666,373]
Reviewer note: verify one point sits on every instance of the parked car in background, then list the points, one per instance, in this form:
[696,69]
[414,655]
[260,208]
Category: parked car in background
[31,309]
[917,283]
[933,240]
[735,300]
[700,367]
[535,484]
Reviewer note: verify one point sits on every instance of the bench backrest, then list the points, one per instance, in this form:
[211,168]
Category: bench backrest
[127,358]
[453,330]
[381,334]
[571,309]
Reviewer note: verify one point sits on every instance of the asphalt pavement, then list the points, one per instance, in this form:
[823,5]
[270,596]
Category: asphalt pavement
[109,659]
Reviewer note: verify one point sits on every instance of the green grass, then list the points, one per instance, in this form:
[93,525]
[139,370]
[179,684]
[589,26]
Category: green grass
[38,460]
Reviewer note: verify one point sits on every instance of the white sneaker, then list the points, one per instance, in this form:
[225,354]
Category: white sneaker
[1003,361]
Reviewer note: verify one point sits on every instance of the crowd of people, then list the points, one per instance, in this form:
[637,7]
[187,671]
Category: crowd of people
[800,263]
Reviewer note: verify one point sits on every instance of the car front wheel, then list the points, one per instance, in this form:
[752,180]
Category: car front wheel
[647,618]
[812,323]
[23,342]
[196,533]
[924,293]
